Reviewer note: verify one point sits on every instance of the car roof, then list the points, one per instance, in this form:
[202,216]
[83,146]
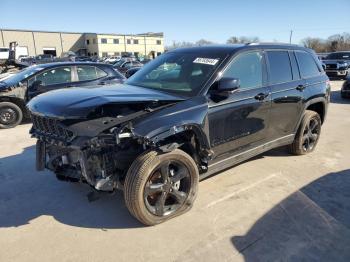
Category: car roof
[233,48]
[54,64]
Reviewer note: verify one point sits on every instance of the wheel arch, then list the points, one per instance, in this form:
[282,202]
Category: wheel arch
[192,139]
[317,105]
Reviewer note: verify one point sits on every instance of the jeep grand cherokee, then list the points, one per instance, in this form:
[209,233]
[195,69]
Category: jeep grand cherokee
[186,115]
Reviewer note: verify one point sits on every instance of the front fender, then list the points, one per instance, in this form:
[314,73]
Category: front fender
[187,115]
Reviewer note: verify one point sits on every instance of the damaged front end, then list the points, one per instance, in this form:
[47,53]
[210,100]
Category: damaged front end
[98,151]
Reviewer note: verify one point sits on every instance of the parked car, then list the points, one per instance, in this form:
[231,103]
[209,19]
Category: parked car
[132,71]
[16,90]
[125,66]
[345,90]
[112,59]
[161,132]
[337,64]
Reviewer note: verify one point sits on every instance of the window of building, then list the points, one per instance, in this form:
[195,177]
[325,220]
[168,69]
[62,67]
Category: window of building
[117,53]
[87,41]
[94,41]
[116,41]
[136,41]
[86,73]
[128,41]
[247,67]
[95,53]
[307,65]
[159,42]
[104,54]
[103,40]
[53,76]
[279,65]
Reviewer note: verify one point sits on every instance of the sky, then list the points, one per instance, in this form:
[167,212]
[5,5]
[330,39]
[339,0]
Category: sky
[183,20]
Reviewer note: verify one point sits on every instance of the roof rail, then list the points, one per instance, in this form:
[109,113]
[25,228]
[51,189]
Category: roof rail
[271,43]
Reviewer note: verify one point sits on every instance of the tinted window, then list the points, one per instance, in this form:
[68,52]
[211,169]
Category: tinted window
[279,65]
[307,64]
[57,75]
[89,73]
[247,68]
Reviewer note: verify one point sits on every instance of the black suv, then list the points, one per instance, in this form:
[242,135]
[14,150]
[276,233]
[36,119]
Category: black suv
[337,64]
[182,117]
[16,90]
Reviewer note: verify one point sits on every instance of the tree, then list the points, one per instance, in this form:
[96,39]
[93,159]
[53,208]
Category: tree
[242,40]
[317,44]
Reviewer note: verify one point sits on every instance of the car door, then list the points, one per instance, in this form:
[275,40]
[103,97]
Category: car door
[89,75]
[50,79]
[286,92]
[240,121]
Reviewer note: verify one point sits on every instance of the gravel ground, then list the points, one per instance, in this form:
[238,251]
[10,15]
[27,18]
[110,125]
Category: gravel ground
[273,207]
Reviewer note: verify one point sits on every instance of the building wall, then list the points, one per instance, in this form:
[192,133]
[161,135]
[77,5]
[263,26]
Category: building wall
[37,41]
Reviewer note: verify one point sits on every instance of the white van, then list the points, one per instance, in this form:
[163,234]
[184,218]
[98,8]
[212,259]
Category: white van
[4,53]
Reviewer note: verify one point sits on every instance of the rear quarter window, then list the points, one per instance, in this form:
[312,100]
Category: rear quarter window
[307,64]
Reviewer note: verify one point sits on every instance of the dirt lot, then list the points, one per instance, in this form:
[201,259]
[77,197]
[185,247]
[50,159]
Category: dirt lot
[273,207]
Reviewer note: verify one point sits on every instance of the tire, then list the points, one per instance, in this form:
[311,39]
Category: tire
[140,190]
[308,134]
[11,115]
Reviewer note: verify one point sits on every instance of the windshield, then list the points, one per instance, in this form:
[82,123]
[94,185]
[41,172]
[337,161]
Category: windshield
[23,74]
[179,73]
[342,55]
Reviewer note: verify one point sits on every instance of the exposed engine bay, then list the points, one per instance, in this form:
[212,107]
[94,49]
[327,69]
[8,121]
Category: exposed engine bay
[98,151]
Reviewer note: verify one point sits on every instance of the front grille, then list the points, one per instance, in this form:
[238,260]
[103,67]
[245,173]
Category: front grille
[51,127]
[332,66]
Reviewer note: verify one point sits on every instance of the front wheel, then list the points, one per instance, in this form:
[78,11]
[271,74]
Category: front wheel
[161,186]
[308,134]
[10,115]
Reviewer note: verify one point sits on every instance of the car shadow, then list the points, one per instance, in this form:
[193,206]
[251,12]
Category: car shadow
[312,224]
[337,99]
[26,194]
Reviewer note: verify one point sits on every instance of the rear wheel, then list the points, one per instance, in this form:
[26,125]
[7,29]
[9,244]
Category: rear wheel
[161,186]
[308,134]
[10,115]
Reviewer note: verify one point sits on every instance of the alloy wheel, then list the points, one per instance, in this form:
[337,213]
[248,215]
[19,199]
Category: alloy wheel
[311,135]
[167,188]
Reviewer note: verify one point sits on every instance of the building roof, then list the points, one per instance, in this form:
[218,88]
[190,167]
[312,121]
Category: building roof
[159,34]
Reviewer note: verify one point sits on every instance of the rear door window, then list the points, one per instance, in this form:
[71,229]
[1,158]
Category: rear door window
[280,67]
[86,73]
[307,64]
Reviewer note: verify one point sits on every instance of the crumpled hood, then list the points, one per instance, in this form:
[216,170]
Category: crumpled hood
[76,103]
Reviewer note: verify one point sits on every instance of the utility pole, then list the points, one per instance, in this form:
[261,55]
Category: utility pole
[290,36]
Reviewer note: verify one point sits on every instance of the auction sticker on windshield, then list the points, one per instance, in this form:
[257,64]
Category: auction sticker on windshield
[206,61]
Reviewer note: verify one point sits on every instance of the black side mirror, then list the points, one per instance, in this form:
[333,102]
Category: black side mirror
[228,85]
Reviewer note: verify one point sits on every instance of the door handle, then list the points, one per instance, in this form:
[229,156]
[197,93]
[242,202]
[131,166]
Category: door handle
[261,96]
[300,87]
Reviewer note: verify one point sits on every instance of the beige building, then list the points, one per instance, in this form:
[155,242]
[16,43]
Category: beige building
[56,43]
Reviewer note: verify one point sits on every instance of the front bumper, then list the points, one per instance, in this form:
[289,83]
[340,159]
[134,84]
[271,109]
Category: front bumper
[334,72]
